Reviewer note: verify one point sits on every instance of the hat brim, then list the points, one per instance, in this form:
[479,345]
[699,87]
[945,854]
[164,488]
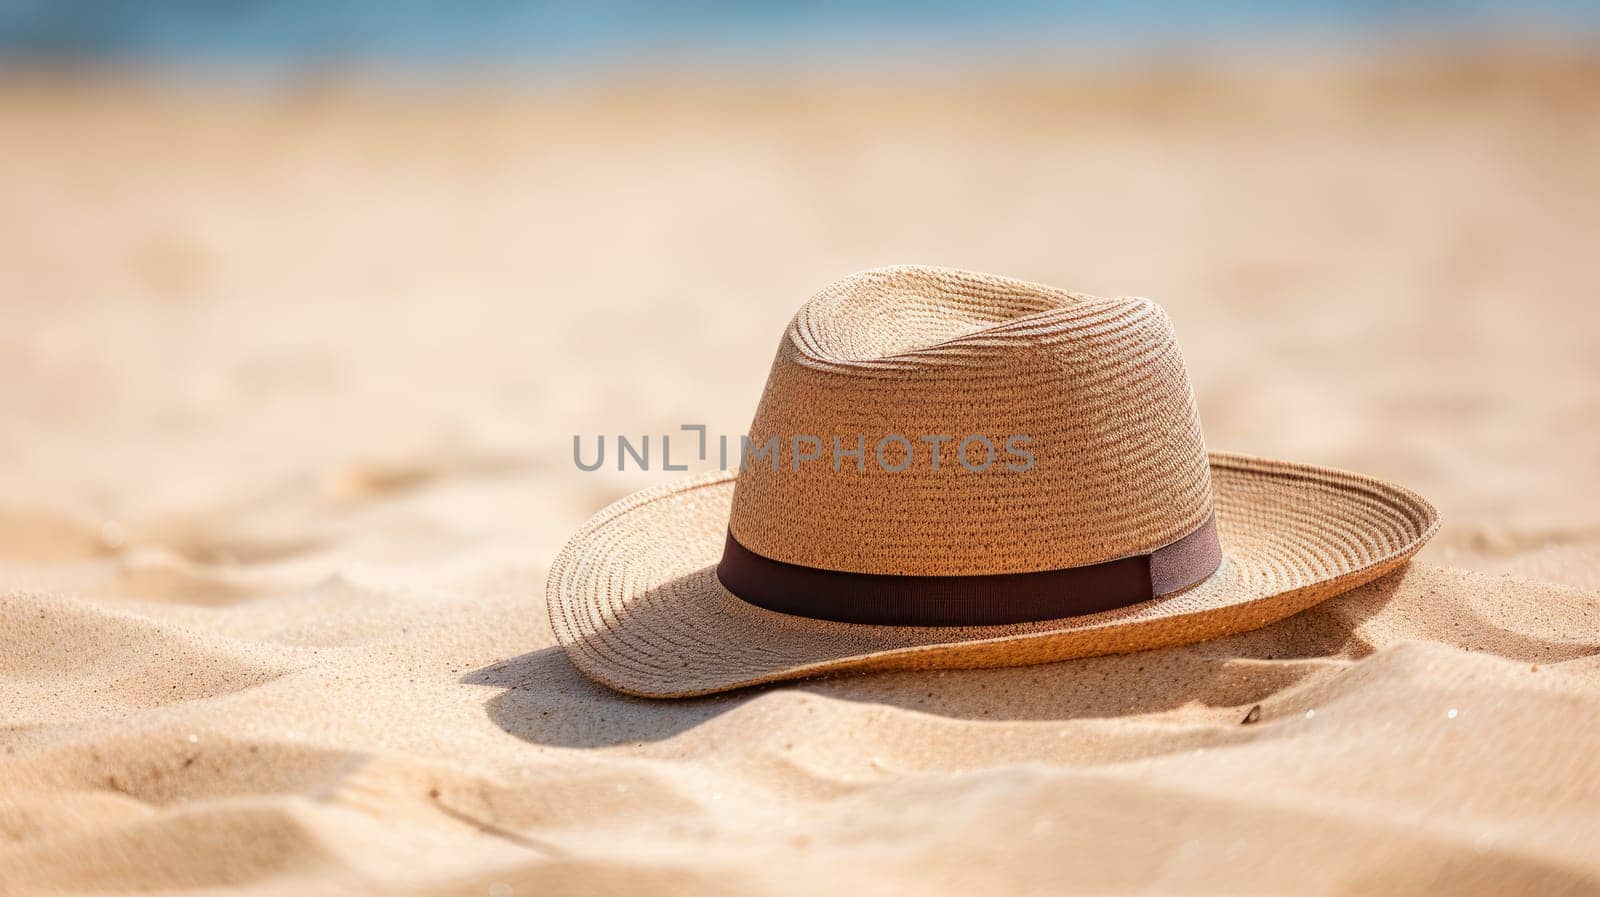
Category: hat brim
[636,604]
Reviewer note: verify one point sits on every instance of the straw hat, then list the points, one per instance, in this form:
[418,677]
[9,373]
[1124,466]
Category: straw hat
[950,470]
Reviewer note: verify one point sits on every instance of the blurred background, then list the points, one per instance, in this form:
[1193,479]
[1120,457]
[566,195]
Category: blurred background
[279,276]
[434,36]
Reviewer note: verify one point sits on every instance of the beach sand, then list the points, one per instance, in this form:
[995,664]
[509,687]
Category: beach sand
[289,378]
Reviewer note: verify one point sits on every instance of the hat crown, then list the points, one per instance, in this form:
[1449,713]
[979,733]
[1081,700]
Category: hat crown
[923,421]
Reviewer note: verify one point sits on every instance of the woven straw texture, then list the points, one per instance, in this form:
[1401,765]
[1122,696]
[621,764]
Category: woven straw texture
[1120,468]
[1097,386]
[636,604]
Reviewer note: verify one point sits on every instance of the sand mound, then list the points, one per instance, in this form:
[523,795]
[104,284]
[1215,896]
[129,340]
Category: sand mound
[286,404]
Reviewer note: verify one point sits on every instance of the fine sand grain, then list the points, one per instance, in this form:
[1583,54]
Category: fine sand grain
[289,377]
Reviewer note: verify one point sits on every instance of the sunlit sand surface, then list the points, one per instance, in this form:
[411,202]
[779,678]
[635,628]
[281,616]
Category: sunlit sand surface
[289,378]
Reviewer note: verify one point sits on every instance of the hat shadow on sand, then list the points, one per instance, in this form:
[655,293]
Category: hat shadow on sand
[547,701]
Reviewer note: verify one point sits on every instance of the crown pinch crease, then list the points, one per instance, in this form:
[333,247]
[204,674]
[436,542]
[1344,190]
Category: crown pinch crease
[1096,386]
[1121,470]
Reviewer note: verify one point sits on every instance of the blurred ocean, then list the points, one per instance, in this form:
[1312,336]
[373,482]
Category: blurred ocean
[431,34]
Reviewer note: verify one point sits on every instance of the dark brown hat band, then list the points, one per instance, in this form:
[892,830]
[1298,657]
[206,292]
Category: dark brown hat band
[983,600]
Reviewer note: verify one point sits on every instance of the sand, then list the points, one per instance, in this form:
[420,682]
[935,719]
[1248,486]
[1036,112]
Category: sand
[288,379]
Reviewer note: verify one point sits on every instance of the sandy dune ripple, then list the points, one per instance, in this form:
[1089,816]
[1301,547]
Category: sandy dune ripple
[288,380]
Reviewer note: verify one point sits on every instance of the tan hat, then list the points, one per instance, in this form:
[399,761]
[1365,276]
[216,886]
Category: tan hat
[951,470]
